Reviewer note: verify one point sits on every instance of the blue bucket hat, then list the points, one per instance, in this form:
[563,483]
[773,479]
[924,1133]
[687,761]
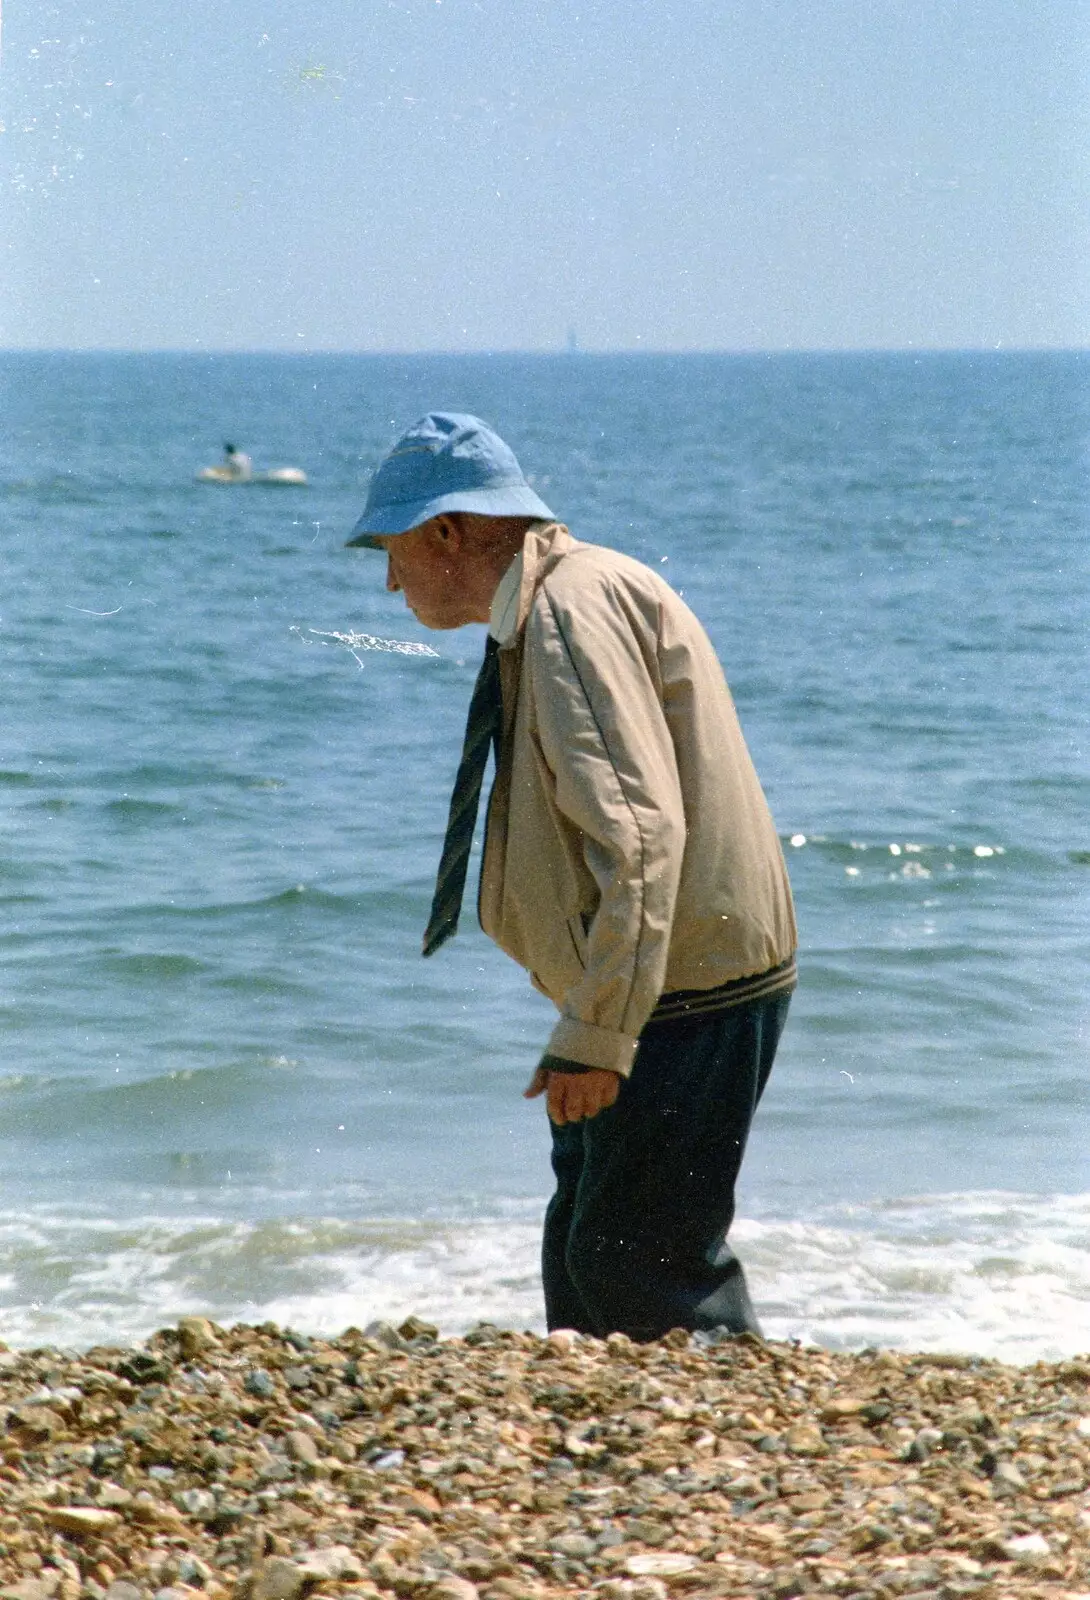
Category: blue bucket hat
[448,461]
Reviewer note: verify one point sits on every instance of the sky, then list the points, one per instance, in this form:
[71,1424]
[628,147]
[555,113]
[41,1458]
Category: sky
[412,175]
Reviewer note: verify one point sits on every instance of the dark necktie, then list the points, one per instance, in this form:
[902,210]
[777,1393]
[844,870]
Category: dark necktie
[482,729]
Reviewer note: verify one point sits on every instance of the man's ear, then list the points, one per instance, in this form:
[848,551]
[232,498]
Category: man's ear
[449,533]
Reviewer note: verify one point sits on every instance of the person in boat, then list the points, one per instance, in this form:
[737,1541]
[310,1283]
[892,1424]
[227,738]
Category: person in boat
[630,864]
[236,463]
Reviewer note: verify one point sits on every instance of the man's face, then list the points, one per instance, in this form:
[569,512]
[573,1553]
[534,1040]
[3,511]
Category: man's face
[426,565]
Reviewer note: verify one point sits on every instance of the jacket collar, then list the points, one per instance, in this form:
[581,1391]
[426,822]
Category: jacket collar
[545,544]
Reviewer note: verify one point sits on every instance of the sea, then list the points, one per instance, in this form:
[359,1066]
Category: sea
[229,1084]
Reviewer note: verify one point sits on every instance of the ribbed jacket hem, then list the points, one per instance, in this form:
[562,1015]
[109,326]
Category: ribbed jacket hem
[684,1003]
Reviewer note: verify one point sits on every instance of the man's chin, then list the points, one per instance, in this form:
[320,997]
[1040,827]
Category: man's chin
[436,624]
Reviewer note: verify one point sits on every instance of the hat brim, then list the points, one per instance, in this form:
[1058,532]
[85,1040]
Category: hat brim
[512,500]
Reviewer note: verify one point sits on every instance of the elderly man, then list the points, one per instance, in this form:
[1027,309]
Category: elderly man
[630,865]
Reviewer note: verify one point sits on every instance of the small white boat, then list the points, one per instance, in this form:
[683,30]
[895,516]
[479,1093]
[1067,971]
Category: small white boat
[276,475]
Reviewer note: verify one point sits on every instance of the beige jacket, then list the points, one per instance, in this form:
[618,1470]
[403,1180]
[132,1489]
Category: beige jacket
[629,850]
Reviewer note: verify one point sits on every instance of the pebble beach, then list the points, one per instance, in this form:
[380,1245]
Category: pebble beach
[256,1463]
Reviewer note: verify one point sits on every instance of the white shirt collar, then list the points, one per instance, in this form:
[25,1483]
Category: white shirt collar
[503,620]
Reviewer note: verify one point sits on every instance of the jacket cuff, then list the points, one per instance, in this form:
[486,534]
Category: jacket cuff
[592,1046]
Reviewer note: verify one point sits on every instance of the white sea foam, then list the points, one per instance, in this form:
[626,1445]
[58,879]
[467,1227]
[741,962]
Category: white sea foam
[997,1275]
[353,642]
[79,1280]
[990,1274]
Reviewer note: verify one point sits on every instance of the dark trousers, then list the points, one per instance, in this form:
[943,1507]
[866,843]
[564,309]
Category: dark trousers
[636,1233]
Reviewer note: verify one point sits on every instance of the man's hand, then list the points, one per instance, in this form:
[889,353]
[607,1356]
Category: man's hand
[573,1096]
